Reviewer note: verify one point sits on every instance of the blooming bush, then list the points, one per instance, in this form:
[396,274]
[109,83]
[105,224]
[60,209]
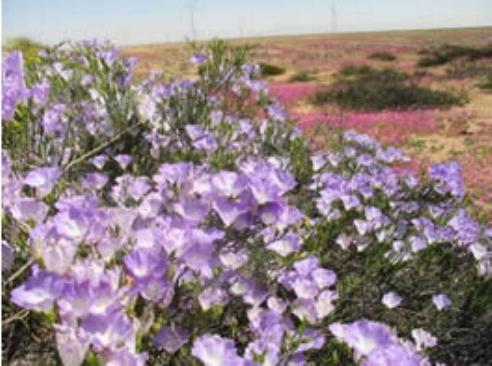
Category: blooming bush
[187,222]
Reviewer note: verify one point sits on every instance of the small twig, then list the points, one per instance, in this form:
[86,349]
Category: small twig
[17,316]
[20,271]
[101,147]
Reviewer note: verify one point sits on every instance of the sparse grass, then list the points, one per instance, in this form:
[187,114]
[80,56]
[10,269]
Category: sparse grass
[468,69]
[302,76]
[382,56]
[365,88]
[447,53]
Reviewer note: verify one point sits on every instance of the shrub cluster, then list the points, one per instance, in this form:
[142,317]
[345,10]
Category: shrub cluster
[487,83]
[301,76]
[365,88]
[187,223]
[271,70]
[382,56]
[448,53]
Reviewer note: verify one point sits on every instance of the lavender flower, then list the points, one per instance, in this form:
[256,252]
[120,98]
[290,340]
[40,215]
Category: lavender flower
[39,292]
[394,354]
[171,338]
[13,85]
[391,300]
[423,339]
[448,178]
[43,179]
[7,256]
[441,301]
[123,160]
[199,58]
[363,335]
[214,350]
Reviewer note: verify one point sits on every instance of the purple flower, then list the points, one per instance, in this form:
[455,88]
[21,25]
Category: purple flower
[391,300]
[191,210]
[277,304]
[305,266]
[173,173]
[72,346]
[304,288]
[198,254]
[82,297]
[39,292]
[229,184]
[171,338]
[466,229]
[311,340]
[130,187]
[195,132]
[55,120]
[324,277]
[389,155]
[158,289]
[199,58]
[125,357]
[393,354]
[417,244]
[94,180]
[43,179]
[233,259]
[8,256]
[228,210]
[99,161]
[277,112]
[441,301]
[211,296]
[350,201]
[214,350]
[324,303]
[305,310]
[13,85]
[363,335]
[260,349]
[57,252]
[26,208]
[109,55]
[448,178]
[109,330]
[423,339]
[143,263]
[287,244]
[123,160]
[72,223]
[40,92]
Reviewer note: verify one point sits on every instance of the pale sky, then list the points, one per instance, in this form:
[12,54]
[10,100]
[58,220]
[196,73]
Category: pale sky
[153,21]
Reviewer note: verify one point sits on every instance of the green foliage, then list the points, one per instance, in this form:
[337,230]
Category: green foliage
[271,70]
[364,277]
[447,53]
[382,56]
[221,54]
[302,76]
[28,47]
[486,84]
[300,159]
[365,88]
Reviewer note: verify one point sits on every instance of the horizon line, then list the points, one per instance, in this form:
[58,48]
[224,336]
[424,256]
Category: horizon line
[266,36]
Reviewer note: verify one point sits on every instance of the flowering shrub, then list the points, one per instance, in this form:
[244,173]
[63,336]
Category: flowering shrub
[186,222]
